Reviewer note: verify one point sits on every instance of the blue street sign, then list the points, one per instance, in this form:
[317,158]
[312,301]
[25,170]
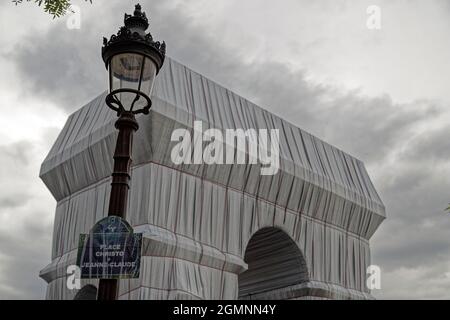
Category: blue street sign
[110,251]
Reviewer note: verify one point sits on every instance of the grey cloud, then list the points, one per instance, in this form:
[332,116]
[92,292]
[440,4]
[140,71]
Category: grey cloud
[413,246]
[13,201]
[432,145]
[15,161]
[65,65]
[20,151]
[415,235]
[22,254]
[24,233]
[365,127]
[57,68]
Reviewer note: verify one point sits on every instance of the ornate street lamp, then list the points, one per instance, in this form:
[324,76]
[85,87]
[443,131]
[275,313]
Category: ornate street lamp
[133,60]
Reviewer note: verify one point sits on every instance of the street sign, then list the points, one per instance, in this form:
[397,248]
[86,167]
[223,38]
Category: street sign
[110,251]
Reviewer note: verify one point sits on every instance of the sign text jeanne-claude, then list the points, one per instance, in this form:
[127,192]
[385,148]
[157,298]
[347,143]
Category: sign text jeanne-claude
[111,250]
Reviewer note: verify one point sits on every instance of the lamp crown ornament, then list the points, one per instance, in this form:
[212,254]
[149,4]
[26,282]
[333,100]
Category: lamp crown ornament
[132,38]
[133,59]
[138,20]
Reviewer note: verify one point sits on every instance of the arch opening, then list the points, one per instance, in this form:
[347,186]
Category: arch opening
[88,292]
[274,262]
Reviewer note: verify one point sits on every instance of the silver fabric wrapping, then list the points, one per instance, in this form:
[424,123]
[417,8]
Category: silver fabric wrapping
[198,219]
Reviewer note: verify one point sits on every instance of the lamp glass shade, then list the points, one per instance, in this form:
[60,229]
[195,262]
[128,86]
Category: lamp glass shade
[148,77]
[125,71]
[131,71]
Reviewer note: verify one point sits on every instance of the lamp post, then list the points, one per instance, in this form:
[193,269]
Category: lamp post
[133,60]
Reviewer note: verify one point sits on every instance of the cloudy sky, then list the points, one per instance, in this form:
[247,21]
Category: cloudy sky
[380,95]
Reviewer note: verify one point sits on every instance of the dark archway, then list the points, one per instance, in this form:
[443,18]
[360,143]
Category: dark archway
[274,261]
[88,292]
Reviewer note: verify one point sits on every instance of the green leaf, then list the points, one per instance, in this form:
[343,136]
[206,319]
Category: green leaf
[57,8]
